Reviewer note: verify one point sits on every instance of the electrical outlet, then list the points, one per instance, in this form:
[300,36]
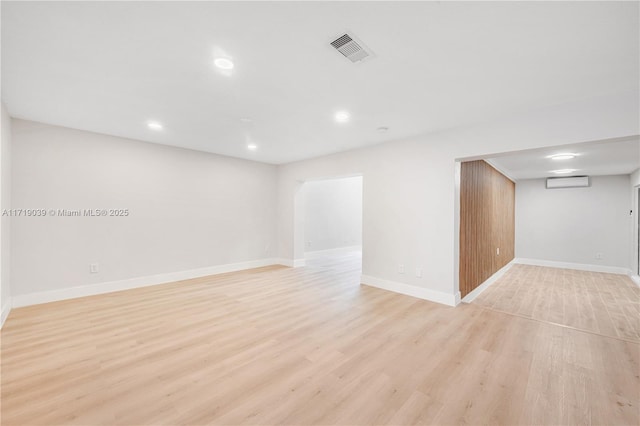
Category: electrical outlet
[599,256]
[94,268]
[401,269]
[419,272]
[266,248]
[308,243]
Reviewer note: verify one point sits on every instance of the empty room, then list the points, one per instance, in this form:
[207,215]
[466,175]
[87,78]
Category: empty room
[320,213]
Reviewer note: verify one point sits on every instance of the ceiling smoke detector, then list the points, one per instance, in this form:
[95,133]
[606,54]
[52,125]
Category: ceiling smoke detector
[353,50]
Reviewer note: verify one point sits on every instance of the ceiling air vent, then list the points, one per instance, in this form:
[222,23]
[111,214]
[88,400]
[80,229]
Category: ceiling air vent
[351,49]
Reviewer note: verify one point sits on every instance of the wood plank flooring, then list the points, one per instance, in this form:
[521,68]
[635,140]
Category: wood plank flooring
[606,304]
[305,346]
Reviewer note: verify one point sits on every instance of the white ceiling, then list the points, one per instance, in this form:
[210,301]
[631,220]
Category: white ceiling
[110,67]
[605,158]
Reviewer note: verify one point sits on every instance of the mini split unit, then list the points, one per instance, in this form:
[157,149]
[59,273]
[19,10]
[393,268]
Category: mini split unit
[568,182]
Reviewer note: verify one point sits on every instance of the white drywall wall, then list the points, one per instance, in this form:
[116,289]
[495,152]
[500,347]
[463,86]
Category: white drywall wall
[332,213]
[192,210]
[5,224]
[409,207]
[574,224]
[187,209]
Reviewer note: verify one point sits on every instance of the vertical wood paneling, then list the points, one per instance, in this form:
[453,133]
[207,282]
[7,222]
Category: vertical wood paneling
[487,222]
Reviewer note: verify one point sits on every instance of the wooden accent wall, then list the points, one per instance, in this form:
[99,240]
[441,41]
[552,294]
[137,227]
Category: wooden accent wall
[487,222]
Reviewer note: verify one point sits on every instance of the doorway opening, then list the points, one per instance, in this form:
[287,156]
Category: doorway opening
[331,211]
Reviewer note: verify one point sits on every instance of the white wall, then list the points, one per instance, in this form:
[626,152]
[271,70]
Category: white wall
[188,209]
[574,224]
[634,181]
[409,191]
[5,224]
[192,210]
[332,213]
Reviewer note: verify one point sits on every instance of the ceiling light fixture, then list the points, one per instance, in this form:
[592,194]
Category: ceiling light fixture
[563,156]
[223,63]
[246,120]
[252,147]
[382,129]
[154,125]
[563,171]
[342,116]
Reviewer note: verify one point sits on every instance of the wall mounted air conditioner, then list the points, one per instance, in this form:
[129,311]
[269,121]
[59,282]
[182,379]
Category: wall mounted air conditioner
[568,182]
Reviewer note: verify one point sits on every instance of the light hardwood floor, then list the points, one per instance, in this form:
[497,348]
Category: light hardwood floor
[606,304]
[304,346]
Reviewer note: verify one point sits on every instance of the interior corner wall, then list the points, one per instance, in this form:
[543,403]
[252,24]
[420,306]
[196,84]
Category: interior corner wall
[5,224]
[187,210]
[332,213]
[574,225]
[487,223]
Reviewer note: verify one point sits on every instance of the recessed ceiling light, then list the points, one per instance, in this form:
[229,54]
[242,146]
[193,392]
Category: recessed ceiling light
[252,147]
[563,156]
[382,129]
[562,171]
[154,125]
[246,120]
[342,116]
[223,63]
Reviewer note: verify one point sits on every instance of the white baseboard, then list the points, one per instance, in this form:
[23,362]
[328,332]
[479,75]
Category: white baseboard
[6,308]
[111,286]
[492,279]
[635,279]
[284,262]
[576,266]
[331,252]
[295,263]
[411,290]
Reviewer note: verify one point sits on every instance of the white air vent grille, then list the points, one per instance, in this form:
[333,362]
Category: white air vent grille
[350,48]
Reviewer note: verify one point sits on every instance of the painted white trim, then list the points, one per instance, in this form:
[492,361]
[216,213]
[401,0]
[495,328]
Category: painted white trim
[296,263]
[576,266]
[331,252]
[6,308]
[284,262]
[635,279]
[111,286]
[456,299]
[487,283]
[411,290]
